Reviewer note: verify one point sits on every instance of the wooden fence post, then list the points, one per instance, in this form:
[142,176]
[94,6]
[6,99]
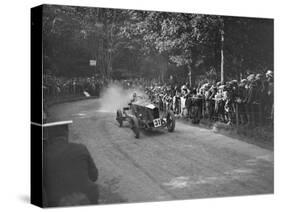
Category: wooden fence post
[237,115]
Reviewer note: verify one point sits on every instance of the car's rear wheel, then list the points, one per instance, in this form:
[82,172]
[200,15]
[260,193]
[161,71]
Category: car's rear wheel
[171,121]
[119,117]
[135,126]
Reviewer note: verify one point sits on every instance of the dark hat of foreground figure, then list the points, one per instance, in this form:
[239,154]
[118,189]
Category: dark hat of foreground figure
[54,130]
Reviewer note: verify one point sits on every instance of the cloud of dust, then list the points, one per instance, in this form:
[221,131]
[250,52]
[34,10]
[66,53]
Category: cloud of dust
[115,97]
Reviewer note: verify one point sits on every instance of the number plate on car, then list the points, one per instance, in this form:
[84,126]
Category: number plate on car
[157,122]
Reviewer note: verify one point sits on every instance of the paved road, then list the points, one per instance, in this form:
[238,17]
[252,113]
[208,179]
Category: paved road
[189,163]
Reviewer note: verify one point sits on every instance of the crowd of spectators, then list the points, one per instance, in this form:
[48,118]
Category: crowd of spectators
[62,86]
[246,102]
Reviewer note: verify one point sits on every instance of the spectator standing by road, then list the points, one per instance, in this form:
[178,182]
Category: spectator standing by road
[241,101]
[69,172]
[269,94]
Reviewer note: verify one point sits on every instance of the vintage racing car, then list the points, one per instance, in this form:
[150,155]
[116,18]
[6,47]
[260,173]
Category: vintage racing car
[142,114]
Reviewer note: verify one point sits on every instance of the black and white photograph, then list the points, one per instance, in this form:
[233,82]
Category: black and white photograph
[149,106]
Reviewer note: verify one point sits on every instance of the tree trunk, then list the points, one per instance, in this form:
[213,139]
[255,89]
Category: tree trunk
[189,75]
[222,55]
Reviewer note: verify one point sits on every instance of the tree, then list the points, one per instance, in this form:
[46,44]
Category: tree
[125,39]
[74,35]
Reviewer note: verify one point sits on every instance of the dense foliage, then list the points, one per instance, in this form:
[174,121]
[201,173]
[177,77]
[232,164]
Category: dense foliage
[153,44]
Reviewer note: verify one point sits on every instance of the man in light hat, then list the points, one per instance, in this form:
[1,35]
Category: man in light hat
[269,94]
[269,74]
[254,99]
[241,101]
[250,97]
[213,91]
[183,98]
[251,77]
[219,103]
[259,104]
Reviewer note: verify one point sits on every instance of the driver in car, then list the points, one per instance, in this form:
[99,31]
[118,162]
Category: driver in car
[134,99]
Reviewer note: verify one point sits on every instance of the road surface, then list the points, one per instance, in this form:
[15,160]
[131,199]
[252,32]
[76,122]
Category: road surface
[191,162]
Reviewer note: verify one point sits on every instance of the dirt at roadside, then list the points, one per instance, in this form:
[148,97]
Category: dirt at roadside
[260,136]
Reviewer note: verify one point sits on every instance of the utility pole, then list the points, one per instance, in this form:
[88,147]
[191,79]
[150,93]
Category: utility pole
[189,75]
[222,56]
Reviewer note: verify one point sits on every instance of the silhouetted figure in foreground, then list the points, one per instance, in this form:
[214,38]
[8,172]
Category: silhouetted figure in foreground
[69,172]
